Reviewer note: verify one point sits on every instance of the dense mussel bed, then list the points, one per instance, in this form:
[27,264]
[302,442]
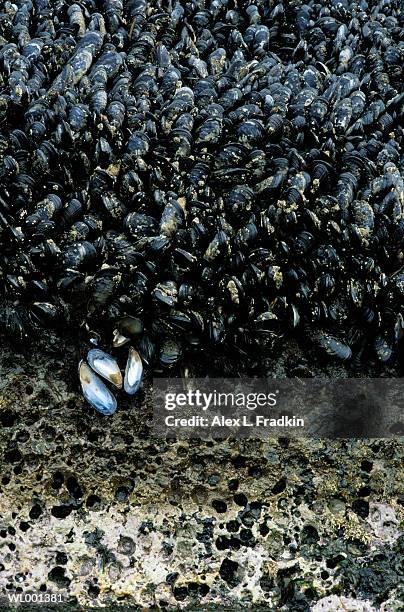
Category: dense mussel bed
[206,177]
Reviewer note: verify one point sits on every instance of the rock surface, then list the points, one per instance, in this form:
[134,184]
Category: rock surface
[95,510]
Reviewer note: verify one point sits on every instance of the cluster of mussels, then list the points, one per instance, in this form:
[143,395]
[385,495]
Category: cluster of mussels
[95,391]
[203,174]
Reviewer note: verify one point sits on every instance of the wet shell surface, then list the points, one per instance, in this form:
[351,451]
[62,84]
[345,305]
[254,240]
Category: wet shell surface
[95,392]
[106,366]
[176,171]
[118,339]
[133,372]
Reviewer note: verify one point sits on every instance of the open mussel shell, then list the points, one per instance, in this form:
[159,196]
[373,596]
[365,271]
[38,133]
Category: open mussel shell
[133,372]
[95,392]
[106,366]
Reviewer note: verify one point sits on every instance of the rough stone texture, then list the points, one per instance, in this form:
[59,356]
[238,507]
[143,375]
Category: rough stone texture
[94,509]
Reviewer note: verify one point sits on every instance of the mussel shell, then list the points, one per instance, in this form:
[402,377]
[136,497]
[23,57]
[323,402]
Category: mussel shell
[166,293]
[95,392]
[130,326]
[106,366]
[335,348]
[170,352]
[147,349]
[382,349]
[46,313]
[119,340]
[133,372]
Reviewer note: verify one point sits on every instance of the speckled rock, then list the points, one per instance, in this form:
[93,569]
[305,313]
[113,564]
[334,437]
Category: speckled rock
[96,510]
[342,604]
